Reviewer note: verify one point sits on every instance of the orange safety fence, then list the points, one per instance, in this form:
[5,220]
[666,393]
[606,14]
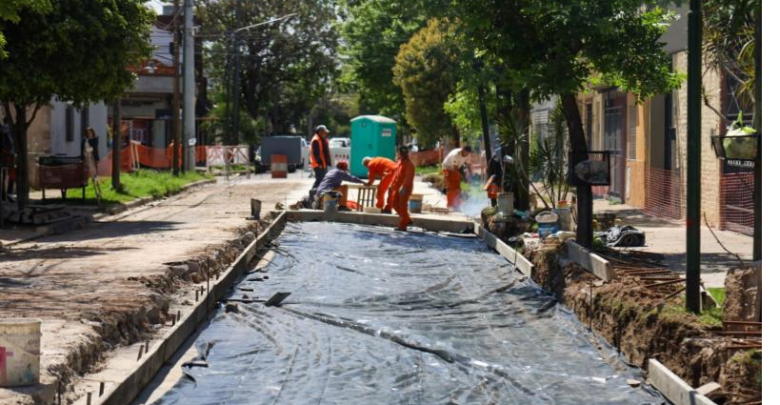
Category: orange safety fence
[664,194]
[426,157]
[153,158]
[736,202]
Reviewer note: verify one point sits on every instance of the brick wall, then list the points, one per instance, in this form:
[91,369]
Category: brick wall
[710,165]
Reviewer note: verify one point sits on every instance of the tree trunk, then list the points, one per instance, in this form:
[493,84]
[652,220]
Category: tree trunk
[757,175]
[523,198]
[20,126]
[116,145]
[580,148]
[485,126]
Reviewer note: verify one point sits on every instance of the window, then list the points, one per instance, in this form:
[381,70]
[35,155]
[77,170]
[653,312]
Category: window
[631,132]
[69,112]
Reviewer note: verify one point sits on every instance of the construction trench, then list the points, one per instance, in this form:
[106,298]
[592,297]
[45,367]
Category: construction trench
[378,316]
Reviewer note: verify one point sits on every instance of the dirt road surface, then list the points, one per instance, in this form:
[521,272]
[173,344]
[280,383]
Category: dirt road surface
[91,286]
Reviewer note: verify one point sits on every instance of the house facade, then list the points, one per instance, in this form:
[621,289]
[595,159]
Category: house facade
[648,144]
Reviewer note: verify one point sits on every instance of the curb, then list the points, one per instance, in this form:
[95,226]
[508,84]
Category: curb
[135,378]
[82,220]
[122,207]
[673,387]
[520,262]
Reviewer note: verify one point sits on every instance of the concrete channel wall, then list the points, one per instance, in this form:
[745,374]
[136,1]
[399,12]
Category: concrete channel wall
[131,368]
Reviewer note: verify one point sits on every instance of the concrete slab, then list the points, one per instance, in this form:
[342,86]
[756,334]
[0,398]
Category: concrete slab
[673,387]
[590,261]
[435,223]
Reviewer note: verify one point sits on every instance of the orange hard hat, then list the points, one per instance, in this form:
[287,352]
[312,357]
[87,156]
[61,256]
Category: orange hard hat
[342,165]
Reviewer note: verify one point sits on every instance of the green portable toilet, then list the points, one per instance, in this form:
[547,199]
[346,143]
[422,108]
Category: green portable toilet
[372,135]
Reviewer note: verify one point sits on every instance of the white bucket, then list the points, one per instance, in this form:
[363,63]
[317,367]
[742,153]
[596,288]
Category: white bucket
[330,202]
[506,204]
[20,351]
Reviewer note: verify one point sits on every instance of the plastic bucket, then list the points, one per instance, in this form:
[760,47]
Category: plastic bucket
[20,351]
[415,203]
[330,202]
[565,218]
[506,204]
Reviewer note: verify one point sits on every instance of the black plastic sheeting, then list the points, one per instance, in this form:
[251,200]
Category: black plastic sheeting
[384,317]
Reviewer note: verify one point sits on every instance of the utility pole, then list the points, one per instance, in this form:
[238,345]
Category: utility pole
[189,87]
[116,146]
[236,77]
[757,216]
[693,202]
[176,90]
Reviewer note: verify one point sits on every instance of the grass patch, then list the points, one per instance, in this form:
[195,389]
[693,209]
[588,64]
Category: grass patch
[423,170]
[707,317]
[719,293]
[143,183]
[233,168]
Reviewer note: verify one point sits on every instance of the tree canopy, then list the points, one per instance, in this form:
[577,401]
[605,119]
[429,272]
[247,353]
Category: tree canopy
[728,36]
[426,70]
[10,9]
[285,67]
[75,51]
[373,33]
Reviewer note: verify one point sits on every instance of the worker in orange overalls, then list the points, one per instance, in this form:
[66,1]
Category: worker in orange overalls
[451,165]
[402,187]
[383,168]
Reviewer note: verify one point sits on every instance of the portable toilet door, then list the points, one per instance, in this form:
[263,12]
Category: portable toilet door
[372,135]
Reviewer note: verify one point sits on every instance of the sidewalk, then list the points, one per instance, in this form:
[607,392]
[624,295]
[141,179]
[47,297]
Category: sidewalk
[94,287]
[668,238]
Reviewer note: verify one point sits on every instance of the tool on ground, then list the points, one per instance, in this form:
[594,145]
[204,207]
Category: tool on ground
[276,299]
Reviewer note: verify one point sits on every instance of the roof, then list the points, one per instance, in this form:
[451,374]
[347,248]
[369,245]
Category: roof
[375,118]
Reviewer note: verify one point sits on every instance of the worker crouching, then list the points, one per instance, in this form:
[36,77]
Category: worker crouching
[402,187]
[331,181]
[382,168]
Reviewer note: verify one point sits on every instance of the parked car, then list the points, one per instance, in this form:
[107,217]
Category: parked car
[340,142]
[293,146]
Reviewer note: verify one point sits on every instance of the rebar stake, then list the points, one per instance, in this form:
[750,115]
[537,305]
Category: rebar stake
[102,388]
[140,352]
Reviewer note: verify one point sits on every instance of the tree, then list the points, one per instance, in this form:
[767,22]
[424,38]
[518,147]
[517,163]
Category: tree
[373,33]
[285,67]
[426,70]
[728,28]
[10,9]
[552,47]
[77,51]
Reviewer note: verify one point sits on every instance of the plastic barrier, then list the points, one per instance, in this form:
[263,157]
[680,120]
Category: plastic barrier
[279,166]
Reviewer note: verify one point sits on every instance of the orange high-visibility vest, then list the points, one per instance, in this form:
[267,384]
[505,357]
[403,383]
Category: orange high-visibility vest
[321,144]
